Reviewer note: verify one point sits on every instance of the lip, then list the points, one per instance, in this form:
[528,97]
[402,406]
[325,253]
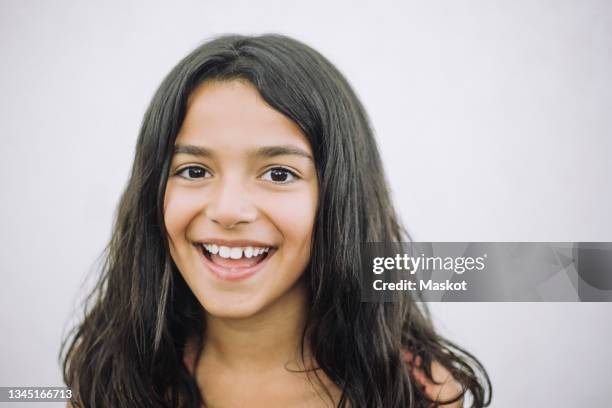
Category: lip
[233,274]
[233,243]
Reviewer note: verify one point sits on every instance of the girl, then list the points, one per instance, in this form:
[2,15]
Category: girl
[231,276]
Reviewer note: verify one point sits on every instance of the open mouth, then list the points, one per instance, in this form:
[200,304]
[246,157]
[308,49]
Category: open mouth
[234,263]
[238,257]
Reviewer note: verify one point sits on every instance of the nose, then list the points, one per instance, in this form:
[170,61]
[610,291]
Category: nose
[230,204]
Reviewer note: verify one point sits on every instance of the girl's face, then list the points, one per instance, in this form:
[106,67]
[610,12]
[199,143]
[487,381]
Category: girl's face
[241,200]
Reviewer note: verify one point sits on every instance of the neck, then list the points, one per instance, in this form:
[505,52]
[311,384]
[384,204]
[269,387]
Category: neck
[265,341]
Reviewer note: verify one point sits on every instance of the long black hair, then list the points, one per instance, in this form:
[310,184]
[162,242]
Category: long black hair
[128,349]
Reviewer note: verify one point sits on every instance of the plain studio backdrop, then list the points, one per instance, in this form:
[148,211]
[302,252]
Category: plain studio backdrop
[493,119]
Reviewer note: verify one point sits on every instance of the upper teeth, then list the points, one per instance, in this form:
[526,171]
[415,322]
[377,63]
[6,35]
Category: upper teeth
[235,252]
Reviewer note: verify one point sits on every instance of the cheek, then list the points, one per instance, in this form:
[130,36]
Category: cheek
[179,210]
[294,216]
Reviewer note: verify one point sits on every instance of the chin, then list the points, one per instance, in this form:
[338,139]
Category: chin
[232,309]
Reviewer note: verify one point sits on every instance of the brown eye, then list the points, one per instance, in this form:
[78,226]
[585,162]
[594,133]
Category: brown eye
[192,172]
[280,175]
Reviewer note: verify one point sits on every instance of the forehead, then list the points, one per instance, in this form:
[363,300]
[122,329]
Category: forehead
[233,112]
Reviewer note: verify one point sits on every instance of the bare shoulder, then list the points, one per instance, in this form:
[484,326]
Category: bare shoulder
[445,388]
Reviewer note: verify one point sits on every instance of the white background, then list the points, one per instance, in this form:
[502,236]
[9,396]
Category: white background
[493,119]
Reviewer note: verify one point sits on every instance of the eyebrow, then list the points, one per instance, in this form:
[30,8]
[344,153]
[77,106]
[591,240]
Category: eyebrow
[261,152]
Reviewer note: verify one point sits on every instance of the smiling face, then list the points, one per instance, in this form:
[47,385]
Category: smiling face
[241,200]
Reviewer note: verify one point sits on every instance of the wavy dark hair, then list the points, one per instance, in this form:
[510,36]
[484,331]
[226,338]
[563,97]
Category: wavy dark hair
[128,348]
